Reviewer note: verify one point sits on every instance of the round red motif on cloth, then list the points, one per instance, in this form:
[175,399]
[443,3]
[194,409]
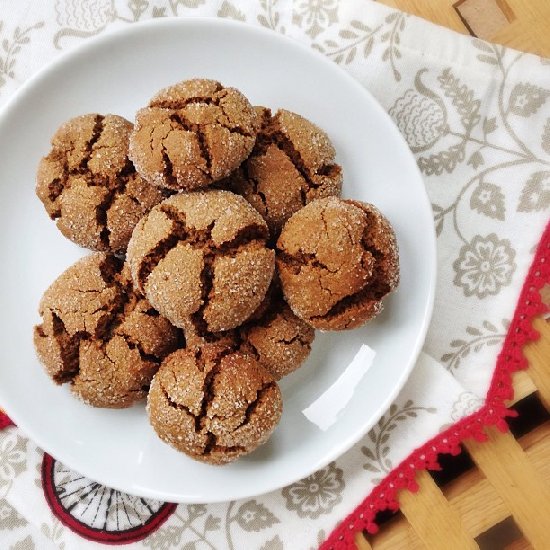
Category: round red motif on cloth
[5,420]
[97,512]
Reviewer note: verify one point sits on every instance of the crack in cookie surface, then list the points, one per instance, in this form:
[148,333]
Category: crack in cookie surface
[202,424]
[96,134]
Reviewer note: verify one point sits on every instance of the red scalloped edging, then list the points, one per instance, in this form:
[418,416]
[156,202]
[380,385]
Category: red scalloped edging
[5,420]
[493,413]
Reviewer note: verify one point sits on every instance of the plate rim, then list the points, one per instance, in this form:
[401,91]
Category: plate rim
[427,312]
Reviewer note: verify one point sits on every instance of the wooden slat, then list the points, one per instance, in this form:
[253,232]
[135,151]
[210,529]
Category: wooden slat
[474,498]
[477,502]
[523,386]
[530,30]
[440,12]
[484,17]
[527,497]
[538,355]
[432,517]
[397,535]
[527,25]
[520,544]
[361,542]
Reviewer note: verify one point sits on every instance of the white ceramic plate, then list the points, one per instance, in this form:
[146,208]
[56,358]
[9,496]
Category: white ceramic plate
[118,73]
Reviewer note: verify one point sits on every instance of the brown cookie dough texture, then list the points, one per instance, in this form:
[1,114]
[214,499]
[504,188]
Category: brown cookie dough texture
[100,335]
[192,134]
[213,404]
[88,184]
[292,164]
[273,335]
[280,341]
[201,259]
[336,260]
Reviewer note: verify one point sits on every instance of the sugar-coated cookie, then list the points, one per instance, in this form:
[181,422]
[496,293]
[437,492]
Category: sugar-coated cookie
[336,260]
[100,335]
[88,184]
[192,134]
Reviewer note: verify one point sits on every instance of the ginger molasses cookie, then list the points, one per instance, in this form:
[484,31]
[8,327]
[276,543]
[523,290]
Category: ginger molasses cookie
[88,184]
[192,134]
[201,259]
[273,335]
[279,340]
[100,335]
[213,404]
[291,164]
[336,260]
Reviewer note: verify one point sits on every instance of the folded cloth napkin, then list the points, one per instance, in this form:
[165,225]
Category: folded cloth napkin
[477,117]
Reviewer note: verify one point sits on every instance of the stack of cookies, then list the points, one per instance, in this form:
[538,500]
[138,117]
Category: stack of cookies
[220,244]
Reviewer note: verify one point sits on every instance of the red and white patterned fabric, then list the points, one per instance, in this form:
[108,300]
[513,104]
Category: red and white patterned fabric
[477,118]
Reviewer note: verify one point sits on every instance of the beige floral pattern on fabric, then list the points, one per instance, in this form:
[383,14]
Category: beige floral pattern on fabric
[488,199]
[82,19]
[317,494]
[271,16]
[545,139]
[526,99]
[423,114]
[12,458]
[484,265]
[193,522]
[315,15]
[474,341]
[466,404]
[359,40]
[79,19]
[253,516]
[535,196]
[54,532]
[9,517]
[25,544]
[230,11]
[11,49]
[378,452]
[420,115]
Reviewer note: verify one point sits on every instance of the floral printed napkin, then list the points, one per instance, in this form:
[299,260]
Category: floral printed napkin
[477,117]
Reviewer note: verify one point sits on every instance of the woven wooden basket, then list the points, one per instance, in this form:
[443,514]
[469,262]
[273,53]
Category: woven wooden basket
[495,495]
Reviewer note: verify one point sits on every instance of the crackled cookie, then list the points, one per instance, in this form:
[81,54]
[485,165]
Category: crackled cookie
[100,335]
[88,184]
[279,340]
[192,134]
[336,260]
[213,404]
[291,164]
[273,335]
[201,259]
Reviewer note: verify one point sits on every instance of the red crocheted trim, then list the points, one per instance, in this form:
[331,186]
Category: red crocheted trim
[493,413]
[5,420]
